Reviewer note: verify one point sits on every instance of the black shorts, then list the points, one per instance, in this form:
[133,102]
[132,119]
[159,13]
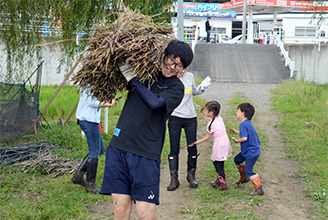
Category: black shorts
[127,173]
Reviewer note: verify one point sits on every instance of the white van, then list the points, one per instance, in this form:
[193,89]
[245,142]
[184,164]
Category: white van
[220,38]
[236,40]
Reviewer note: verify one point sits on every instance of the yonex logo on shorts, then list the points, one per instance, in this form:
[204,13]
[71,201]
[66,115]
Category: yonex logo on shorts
[152,196]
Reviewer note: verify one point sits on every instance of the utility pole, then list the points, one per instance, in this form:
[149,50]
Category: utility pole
[180,21]
[243,40]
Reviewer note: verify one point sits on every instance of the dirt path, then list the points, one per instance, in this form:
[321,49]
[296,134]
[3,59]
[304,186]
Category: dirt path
[284,197]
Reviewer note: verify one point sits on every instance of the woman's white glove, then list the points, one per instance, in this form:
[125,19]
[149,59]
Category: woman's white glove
[127,71]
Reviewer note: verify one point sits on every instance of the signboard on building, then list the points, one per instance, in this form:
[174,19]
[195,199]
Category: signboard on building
[206,10]
[309,5]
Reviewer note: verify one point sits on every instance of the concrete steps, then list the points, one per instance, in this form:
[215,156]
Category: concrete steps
[256,63]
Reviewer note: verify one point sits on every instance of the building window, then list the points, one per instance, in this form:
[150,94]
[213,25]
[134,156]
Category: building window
[218,30]
[305,31]
[189,33]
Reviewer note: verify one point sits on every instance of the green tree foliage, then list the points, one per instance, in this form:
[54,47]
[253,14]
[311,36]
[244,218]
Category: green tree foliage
[27,25]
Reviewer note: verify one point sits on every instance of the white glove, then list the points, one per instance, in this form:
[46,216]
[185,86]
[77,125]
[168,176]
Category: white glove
[127,71]
[206,83]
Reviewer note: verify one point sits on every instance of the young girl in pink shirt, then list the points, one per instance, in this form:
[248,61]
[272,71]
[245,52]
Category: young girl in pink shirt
[221,146]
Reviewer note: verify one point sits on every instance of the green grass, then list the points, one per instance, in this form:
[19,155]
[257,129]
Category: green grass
[62,104]
[33,195]
[37,196]
[304,109]
[304,122]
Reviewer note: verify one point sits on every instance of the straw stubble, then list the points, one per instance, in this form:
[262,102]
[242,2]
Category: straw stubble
[133,38]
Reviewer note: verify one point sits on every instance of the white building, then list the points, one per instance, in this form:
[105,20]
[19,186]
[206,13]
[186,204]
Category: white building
[296,24]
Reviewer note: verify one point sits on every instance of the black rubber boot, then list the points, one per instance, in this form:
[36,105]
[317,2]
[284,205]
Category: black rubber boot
[92,165]
[174,167]
[192,163]
[78,175]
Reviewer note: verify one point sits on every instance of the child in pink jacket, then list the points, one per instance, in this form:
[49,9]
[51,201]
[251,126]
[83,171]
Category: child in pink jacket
[221,146]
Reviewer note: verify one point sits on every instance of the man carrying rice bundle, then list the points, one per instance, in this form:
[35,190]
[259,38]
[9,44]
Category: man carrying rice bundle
[132,170]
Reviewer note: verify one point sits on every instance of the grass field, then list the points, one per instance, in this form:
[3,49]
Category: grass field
[33,195]
[304,121]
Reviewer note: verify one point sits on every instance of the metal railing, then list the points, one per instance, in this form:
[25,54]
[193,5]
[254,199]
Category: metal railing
[305,40]
[283,52]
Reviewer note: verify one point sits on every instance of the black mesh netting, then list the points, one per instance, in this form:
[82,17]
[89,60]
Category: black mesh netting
[18,109]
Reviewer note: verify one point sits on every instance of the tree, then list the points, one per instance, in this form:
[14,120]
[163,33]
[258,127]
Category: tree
[27,25]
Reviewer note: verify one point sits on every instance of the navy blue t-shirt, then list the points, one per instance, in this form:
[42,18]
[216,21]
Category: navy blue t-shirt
[251,147]
[140,130]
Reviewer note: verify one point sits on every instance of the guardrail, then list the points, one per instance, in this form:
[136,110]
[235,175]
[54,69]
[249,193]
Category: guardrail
[284,53]
[305,40]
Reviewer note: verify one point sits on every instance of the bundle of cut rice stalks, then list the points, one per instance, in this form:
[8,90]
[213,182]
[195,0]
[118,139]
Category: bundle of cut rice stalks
[133,38]
[48,163]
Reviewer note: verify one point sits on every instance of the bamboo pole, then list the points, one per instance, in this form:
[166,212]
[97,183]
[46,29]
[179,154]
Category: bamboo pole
[69,117]
[37,80]
[36,95]
[53,97]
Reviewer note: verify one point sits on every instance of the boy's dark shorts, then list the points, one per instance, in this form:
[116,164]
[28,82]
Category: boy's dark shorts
[127,173]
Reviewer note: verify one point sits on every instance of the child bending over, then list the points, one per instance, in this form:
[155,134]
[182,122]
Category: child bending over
[221,147]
